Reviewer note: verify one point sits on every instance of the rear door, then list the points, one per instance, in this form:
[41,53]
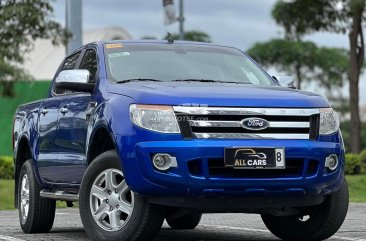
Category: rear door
[48,130]
[73,124]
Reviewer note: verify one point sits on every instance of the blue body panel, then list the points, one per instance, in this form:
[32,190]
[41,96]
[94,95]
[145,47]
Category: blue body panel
[60,143]
[218,94]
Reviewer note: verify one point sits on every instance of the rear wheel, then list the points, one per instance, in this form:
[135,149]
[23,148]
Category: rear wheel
[110,210]
[314,223]
[188,221]
[36,214]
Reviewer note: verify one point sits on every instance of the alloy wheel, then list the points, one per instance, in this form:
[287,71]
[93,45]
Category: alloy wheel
[111,200]
[24,198]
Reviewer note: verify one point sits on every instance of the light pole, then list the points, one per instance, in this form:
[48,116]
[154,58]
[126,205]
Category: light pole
[74,24]
[181,20]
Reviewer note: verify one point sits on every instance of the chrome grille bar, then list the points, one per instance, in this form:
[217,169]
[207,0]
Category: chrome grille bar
[245,111]
[226,122]
[251,136]
[273,124]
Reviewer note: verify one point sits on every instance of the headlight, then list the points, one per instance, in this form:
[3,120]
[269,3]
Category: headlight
[158,118]
[329,121]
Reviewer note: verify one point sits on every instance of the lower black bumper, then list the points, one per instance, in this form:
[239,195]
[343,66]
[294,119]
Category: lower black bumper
[237,204]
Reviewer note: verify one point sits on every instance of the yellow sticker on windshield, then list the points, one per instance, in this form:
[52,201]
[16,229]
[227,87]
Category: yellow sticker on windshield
[114,46]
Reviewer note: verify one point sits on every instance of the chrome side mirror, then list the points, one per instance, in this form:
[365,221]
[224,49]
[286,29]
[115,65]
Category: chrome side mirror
[74,80]
[285,80]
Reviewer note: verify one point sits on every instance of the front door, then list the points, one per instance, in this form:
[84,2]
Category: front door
[72,137]
[73,124]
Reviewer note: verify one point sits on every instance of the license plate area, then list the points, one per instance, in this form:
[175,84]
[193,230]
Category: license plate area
[255,158]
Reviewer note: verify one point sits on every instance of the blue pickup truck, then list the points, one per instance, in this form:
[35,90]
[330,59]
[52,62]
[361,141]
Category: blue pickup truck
[139,132]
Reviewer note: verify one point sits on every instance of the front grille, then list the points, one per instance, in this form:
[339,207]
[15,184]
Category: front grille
[211,122]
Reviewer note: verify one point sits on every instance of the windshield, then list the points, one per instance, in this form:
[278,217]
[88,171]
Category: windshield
[181,62]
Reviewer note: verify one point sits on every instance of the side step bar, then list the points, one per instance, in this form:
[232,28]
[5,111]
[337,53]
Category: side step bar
[60,195]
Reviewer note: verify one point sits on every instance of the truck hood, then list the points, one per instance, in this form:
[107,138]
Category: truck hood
[217,94]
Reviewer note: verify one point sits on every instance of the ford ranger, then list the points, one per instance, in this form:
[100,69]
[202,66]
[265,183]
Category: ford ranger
[138,132]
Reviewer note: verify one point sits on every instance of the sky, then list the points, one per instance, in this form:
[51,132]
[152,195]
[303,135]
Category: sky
[238,23]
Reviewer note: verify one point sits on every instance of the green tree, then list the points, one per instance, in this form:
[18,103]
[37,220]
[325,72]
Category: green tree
[301,17]
[303,59]
[148,37]
[21,23]
[193,35]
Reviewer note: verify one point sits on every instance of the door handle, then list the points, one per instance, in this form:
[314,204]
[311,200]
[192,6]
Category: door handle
[44,111]
[64,110]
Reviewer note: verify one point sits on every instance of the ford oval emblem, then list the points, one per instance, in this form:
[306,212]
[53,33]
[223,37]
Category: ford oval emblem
[254,124]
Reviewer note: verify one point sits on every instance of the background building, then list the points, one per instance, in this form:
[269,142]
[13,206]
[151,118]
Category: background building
[45,58]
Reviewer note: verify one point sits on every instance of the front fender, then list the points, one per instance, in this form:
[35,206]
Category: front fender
[113,116]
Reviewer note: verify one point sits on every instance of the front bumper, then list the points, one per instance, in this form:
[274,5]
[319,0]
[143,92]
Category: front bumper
[187,186]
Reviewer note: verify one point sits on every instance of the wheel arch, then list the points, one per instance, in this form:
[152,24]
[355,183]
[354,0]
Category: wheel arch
[101,140]
[23,153]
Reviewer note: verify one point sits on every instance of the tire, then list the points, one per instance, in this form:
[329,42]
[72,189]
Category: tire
[36,214]
[119,214]
[188,221]
[323,222]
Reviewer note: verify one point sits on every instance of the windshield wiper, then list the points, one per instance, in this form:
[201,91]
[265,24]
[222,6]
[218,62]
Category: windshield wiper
[181,80]
[199,80]
[209,81]
[138,79]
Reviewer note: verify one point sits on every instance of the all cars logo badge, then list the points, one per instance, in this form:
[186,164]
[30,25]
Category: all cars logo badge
[254,124]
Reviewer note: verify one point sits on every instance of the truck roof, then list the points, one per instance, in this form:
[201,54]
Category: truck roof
[152,41]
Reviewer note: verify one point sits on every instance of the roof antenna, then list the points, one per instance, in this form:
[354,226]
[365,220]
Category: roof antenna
[170,38]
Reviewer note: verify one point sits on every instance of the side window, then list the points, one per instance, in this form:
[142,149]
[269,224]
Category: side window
[89,62]
[70,62]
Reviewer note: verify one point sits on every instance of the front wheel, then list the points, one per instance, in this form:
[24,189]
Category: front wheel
[314,223]
[110,210]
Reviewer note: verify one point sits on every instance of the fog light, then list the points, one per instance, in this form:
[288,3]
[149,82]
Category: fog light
[331,162]
[163,162]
